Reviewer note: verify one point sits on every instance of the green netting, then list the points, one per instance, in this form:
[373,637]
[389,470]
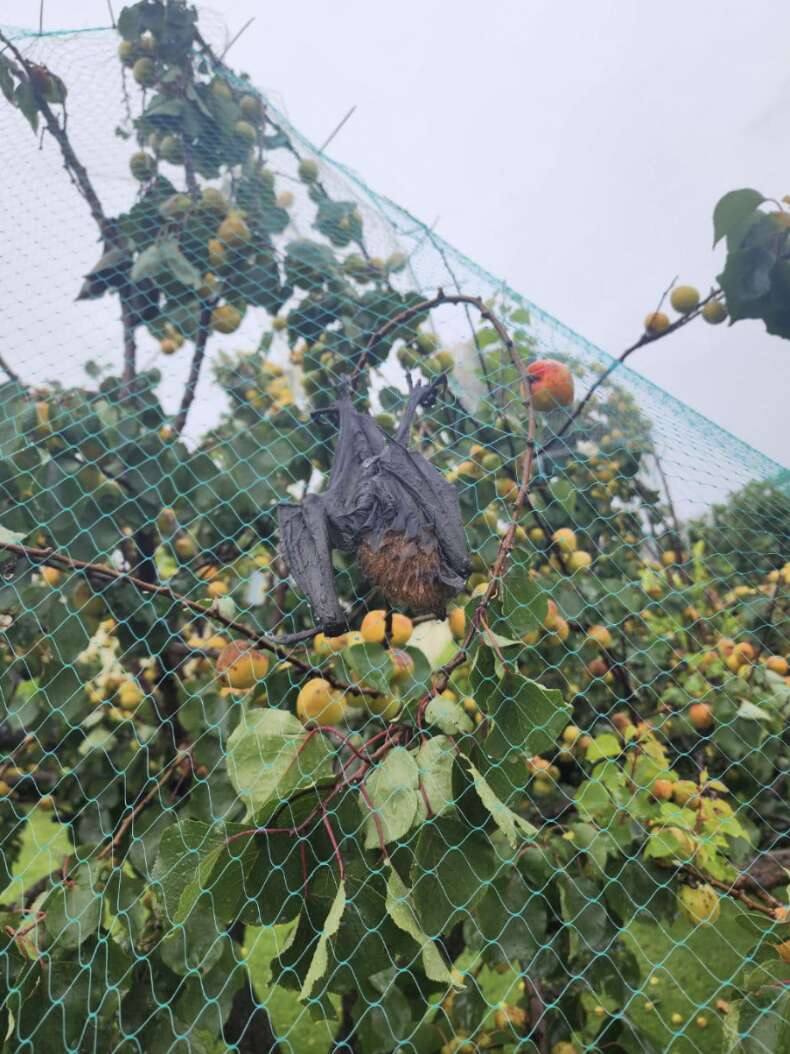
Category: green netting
[551,818]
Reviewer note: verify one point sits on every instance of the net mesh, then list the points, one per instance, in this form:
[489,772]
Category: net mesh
[552,819]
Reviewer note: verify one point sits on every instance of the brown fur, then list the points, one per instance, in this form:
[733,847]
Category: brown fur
[405,571]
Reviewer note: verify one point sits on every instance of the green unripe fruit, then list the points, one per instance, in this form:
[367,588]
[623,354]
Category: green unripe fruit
[445,359]
[176,205]
[172,149]
[142,166]
[408,358]
[715,311]
[356,266]
[308,170]
[684,298]
[144,72]
[427,343]
[244,130]
[213,200]
[396,262]
[220,89]
[225,318]
[126,53]
[385,421]
[251,107]
[491,461]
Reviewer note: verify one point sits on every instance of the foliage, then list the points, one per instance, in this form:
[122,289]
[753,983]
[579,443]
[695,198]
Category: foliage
[509,818]
[756,275]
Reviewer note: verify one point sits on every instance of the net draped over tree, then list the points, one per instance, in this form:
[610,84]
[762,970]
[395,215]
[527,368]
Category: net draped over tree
[515,786]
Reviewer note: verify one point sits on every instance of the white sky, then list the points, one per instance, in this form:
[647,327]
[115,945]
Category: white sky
[574,149]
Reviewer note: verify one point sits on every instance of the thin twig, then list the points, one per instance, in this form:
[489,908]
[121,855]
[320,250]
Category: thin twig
[336,129]
[731,889]
[233,40]
[138,808]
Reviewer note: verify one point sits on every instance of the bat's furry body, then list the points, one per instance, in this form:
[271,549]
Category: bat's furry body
[388,505]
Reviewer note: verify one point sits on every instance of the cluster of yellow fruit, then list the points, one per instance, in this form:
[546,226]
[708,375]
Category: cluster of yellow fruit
[575,559]
[216,586]
[685,299]
[479,464]
[741,657]
[319,703]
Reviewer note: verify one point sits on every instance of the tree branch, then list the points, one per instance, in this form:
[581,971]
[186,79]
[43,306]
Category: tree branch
[129,347]
[204,328]
[646,338]
[13,375]
[71,162]
[51,558]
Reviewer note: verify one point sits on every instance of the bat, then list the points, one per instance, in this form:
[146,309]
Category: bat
[387,504]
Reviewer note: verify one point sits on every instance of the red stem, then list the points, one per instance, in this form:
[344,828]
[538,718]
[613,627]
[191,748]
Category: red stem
[335,847]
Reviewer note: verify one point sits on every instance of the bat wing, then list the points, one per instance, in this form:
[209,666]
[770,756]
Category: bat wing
[304,536]
[350,502]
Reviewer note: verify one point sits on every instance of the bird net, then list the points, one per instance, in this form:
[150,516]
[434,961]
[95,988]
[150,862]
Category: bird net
[383,666]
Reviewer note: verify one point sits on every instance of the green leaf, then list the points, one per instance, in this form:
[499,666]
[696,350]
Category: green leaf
[402,912]
[764,1022]
[257,878]
[732,209]
[12,537]
[604,746]
[320,960]
[448,716]
[174,261]
[584,912]
[525,603]
[370,665]
[452,866]
[182,849]
[511,919]
[73,910]
[435,764]
[565,492]
[148,264]
[513,826]
[527,717]
[271,756]
[392,788]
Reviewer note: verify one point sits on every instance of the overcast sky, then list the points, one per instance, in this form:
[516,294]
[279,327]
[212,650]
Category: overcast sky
[575,149]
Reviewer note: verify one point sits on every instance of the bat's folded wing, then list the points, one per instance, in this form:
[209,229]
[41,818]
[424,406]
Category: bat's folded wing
[304,536]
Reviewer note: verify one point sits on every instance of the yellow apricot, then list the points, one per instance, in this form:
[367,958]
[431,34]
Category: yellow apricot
[241,665]
[318,703]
